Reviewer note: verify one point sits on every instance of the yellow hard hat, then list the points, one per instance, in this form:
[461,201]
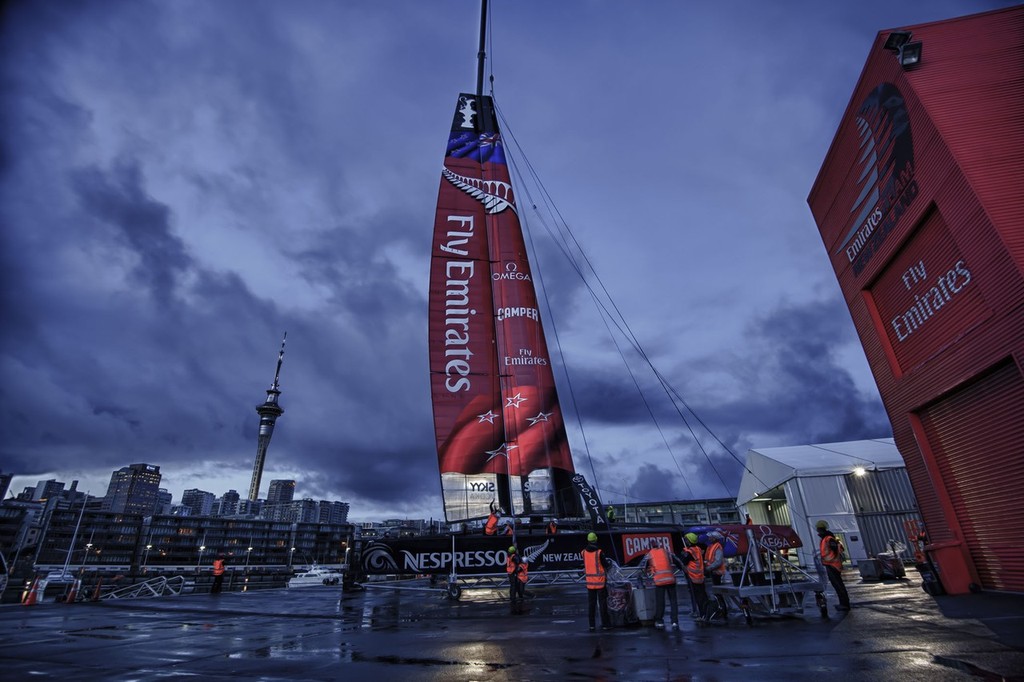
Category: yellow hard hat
[821,524]
[591,537]
[691,538]
[512,549]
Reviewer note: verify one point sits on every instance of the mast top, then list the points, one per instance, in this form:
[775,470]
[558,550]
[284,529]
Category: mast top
[481,54]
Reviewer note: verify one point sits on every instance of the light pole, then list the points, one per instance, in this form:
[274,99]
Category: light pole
[145,558]
[248,551]
[291,555]
[202,548]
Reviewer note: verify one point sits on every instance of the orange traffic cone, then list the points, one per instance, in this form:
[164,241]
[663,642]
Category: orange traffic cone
[69,598]
[32,596]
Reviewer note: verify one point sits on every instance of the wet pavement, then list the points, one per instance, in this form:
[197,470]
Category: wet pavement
[894,632]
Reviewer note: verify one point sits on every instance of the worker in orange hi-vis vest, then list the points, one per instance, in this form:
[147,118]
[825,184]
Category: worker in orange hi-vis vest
[491,526]
[714,568]
[660,565]
[595,568]
[831,550]
[693,560]
[218,574]
[517,576]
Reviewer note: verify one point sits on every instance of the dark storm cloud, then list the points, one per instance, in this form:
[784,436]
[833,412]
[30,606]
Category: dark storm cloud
[118,198]
[182,182]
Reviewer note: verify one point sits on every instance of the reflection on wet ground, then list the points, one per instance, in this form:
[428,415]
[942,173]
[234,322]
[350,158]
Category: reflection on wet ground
[894,632]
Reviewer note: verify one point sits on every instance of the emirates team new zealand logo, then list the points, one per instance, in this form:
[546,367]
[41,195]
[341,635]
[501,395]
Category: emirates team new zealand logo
[885,162]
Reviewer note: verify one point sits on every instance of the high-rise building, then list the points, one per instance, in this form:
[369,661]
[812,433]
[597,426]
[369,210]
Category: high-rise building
[332,512]
[269,411]
[133,489]
[281,491]
[198,502]
[46,489]
[163,502]
[228,503]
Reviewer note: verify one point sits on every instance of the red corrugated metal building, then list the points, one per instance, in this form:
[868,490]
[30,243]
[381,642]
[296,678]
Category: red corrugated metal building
[920,205]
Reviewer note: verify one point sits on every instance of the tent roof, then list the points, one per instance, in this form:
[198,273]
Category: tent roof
[767,468]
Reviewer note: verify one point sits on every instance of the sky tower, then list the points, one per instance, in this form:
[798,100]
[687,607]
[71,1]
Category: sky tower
[269,412]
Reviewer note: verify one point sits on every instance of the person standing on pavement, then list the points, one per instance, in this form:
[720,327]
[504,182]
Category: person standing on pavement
[831,550]
[660,565]
[595,569]
[714,567]
[517,577]
[218,574]
[693,560]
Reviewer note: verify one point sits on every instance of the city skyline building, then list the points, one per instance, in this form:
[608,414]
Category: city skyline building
[199,502]
[269,411]
[133,489]
[281,491]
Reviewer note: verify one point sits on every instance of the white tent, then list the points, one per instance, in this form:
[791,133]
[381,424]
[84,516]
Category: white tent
[802,484]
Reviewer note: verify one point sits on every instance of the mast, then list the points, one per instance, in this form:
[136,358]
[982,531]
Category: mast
[269,411]
[482,52]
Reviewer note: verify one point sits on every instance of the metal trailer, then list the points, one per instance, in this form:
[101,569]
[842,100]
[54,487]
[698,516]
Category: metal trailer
[769,584]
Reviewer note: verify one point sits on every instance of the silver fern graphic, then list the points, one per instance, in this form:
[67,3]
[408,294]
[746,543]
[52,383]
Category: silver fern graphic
[531,553]
[495,195]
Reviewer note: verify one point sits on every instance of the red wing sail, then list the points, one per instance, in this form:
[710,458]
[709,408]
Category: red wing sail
[499,428]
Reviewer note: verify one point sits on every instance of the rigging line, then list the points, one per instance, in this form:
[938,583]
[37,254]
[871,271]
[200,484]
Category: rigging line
[554,330]
[553,324]
[627,331]
[606,316]
[618,320]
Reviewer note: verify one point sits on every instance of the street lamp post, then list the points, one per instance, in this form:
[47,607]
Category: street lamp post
[248,551]
[145,558]
[202,548]
[291,555]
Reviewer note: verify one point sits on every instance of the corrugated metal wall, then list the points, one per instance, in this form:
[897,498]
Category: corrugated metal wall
[964,110]
[882,501]
[984,417]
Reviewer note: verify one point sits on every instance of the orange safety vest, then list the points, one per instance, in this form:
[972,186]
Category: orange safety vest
[492,523]
[552,529]
[218,567]
[695,568]
[715,549]
[593,569]
[828,557]
[510,566]
[660,567]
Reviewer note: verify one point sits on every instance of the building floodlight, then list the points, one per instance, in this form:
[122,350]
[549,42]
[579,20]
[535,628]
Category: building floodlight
[910,55]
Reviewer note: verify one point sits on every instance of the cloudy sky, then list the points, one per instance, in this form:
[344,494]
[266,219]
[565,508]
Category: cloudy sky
[182,182]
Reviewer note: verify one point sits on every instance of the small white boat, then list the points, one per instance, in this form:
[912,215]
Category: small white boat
[316,575]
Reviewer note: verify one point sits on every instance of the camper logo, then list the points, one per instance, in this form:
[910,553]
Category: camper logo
[884,171]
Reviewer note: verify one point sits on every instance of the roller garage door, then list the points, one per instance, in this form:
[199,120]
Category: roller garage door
[976,434]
